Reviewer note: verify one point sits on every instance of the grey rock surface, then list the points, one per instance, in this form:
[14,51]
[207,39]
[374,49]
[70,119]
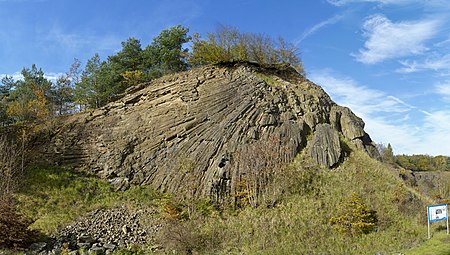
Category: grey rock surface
[325,148]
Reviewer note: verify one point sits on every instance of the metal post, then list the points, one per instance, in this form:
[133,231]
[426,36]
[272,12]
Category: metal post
[447,220]
[428,220]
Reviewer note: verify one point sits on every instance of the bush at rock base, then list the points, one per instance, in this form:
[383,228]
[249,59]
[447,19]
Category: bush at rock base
[354,218]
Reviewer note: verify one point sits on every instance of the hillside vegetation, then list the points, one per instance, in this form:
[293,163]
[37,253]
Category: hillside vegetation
[301,221]
[417,162]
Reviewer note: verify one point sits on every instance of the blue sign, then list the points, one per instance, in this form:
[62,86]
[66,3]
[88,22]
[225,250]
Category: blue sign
[437,212]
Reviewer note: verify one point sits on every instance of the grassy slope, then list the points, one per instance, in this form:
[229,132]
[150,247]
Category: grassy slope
[439,244]
[299,224]
[54,196]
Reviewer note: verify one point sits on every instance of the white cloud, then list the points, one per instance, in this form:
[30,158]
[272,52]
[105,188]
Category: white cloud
[359,98]
[17,76]
[315,28]
[389,119]
[390,2]
[400,134]
[75,41]
[435,138]
[443,89]
[388,40]
[23,1]
[435,64]
[53,77]
[344,2]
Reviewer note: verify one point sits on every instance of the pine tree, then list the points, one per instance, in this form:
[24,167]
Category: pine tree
[388,154]
[166,53]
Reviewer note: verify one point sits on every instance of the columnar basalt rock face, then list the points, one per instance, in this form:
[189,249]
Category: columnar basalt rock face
[188,132]
[325,147]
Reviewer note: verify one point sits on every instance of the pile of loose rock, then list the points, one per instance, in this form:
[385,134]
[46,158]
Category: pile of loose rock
[102,231]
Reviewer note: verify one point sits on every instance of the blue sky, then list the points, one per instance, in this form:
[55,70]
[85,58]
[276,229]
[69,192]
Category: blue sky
[388,60]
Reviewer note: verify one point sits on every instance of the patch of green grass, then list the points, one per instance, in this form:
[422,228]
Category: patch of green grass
[267,78]
[54,196]
[439,244]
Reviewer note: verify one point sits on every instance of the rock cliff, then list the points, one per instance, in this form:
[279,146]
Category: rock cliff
[200,132]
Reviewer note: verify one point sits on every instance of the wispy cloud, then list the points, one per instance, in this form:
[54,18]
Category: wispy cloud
[22,1]
[439,63]
[78,41]
[390,2]
[435,136]
[344,2]
[388,40]
[388,118]
[361,99]
[443,89]
[317,27]
[443,43]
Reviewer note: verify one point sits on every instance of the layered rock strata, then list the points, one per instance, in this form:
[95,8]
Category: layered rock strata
[198,132]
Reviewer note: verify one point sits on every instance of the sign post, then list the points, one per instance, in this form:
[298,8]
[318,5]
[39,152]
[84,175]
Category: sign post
[437,213]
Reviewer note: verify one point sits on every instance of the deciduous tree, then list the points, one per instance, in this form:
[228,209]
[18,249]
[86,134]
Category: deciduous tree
[229,44]
[30,98]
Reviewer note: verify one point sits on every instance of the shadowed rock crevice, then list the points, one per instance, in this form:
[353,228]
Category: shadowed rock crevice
[184,132]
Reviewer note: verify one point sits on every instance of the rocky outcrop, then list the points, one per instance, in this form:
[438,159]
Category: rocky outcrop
[352,128]
[431,183]
[193,132]
[325,146]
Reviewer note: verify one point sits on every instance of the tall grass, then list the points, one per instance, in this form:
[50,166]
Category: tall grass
[300,223]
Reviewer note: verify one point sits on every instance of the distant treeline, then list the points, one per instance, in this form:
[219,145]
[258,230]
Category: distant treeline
[418,162]
[424,162]
[100,81]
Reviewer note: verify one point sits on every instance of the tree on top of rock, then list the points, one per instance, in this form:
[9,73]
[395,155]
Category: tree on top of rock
[229,44]
[30,98]
[102,81]
[166,53]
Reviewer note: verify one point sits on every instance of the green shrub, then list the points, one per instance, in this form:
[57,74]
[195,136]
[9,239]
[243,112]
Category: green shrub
[354,218]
